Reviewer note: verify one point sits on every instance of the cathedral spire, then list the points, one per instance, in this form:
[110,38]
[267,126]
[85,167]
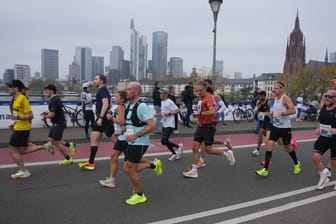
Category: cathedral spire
[326,57]
[297,21]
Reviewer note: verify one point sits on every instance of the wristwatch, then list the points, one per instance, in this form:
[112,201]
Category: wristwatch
[139,134]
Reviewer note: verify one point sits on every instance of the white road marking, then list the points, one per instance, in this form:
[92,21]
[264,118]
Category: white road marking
[246,204]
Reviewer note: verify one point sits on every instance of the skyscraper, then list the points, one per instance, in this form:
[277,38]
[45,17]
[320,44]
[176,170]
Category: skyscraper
[138,54]
[49,64]
[176,66]
[219,68]
[8,76]
[295,50]
[83,58]
[116,58]
[332,57]
[159,55]
[97,65]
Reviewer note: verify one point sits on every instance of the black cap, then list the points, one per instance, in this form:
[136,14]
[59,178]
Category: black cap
[51,87]
[16,84]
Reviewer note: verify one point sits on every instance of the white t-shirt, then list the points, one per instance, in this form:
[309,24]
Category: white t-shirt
[299,102]
[168,106]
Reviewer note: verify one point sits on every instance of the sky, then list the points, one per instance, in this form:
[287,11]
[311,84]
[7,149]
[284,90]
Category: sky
[251,34]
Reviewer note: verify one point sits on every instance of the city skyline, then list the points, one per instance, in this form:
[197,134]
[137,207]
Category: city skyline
[251,38]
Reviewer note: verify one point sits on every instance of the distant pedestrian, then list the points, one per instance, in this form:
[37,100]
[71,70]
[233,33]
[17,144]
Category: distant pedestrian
[120,144]
[157,105]
[168,110]
[188,98]
[299,106]
[87,104]
[139,123]
[102,124]
[56,115]
[223,109]
[21,114]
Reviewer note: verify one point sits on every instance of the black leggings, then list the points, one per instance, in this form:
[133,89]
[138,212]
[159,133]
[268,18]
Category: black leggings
[89,118]
[166,132]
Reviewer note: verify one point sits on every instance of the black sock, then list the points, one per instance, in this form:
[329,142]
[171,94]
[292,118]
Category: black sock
[293,156]
[328,168]
[67,157]
[152,165]
[67,144]
[93,153]
[268,157]
[140,194]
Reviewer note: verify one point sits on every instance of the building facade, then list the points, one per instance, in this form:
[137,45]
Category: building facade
[8,76]
[295,50]
[22,72]
[176,67]
[83,58]
[50,64]
[97,65]
[159,55]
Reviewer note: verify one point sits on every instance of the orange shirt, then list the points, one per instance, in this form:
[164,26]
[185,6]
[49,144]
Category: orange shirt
[207,102]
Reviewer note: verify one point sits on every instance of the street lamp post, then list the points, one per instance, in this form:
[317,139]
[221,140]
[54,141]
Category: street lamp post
[215,6]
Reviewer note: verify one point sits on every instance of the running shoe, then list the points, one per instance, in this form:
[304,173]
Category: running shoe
[66,162]
[263,162]
[255,152]
[201,164]
[87,165]
[297,168]
[72,148]
[49,148]
[227,143]
[262,172]
[230,157]
[21,174]
[108,182]
[136,199]
[322,182]
[172,157]
[327,172]
[158,167]
[190,173]
[180,149]
[294,143]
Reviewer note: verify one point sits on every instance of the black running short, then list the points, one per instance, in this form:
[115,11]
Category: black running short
[323,144]
[134,153]
[284,133]
[107,127]
[19,138]
[205,133]
[56,131]
[120,145]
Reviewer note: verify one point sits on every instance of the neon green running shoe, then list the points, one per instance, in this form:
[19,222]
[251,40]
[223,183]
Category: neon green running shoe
[72,148]
[297,168]
[158,167]
[136,199]
[262,172]
[66,162]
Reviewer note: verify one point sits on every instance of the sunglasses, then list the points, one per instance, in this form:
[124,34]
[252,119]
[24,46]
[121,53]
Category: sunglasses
[329,96]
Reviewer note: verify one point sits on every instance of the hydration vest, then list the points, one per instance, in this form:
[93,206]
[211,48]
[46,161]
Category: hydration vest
[135,121]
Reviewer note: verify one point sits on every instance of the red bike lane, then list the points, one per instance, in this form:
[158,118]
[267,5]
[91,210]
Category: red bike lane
[104,150]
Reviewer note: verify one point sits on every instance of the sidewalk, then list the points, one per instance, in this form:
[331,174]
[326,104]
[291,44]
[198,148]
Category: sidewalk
[39,135]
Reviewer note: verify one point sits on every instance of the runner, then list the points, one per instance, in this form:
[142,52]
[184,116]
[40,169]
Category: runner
[168,111]
[327,137]
[118,118]
[205,131]
[57,118]
[283,107]
[139,123]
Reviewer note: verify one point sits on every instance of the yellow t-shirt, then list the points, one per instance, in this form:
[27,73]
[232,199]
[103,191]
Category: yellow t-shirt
[21,106]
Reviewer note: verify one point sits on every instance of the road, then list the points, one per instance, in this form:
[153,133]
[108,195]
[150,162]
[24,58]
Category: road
[221,194]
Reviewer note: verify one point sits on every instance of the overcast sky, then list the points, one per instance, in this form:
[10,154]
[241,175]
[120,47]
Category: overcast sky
[251,34]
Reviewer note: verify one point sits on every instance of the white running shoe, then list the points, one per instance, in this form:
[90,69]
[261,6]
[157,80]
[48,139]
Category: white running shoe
[255,152]
[180,149]
[21,174]
[190,173]
[327,172]
[322,182]
[230,157]
[172,157]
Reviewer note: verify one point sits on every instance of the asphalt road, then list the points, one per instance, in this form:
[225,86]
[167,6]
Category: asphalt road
[221,194]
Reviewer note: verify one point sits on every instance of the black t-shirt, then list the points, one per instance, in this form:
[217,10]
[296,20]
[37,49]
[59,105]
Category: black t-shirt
[56,106]
[102,93]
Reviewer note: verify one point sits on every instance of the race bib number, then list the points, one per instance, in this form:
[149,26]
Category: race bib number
[325,130]
[261,116]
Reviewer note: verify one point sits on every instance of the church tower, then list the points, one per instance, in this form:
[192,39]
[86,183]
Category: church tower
[295,50]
